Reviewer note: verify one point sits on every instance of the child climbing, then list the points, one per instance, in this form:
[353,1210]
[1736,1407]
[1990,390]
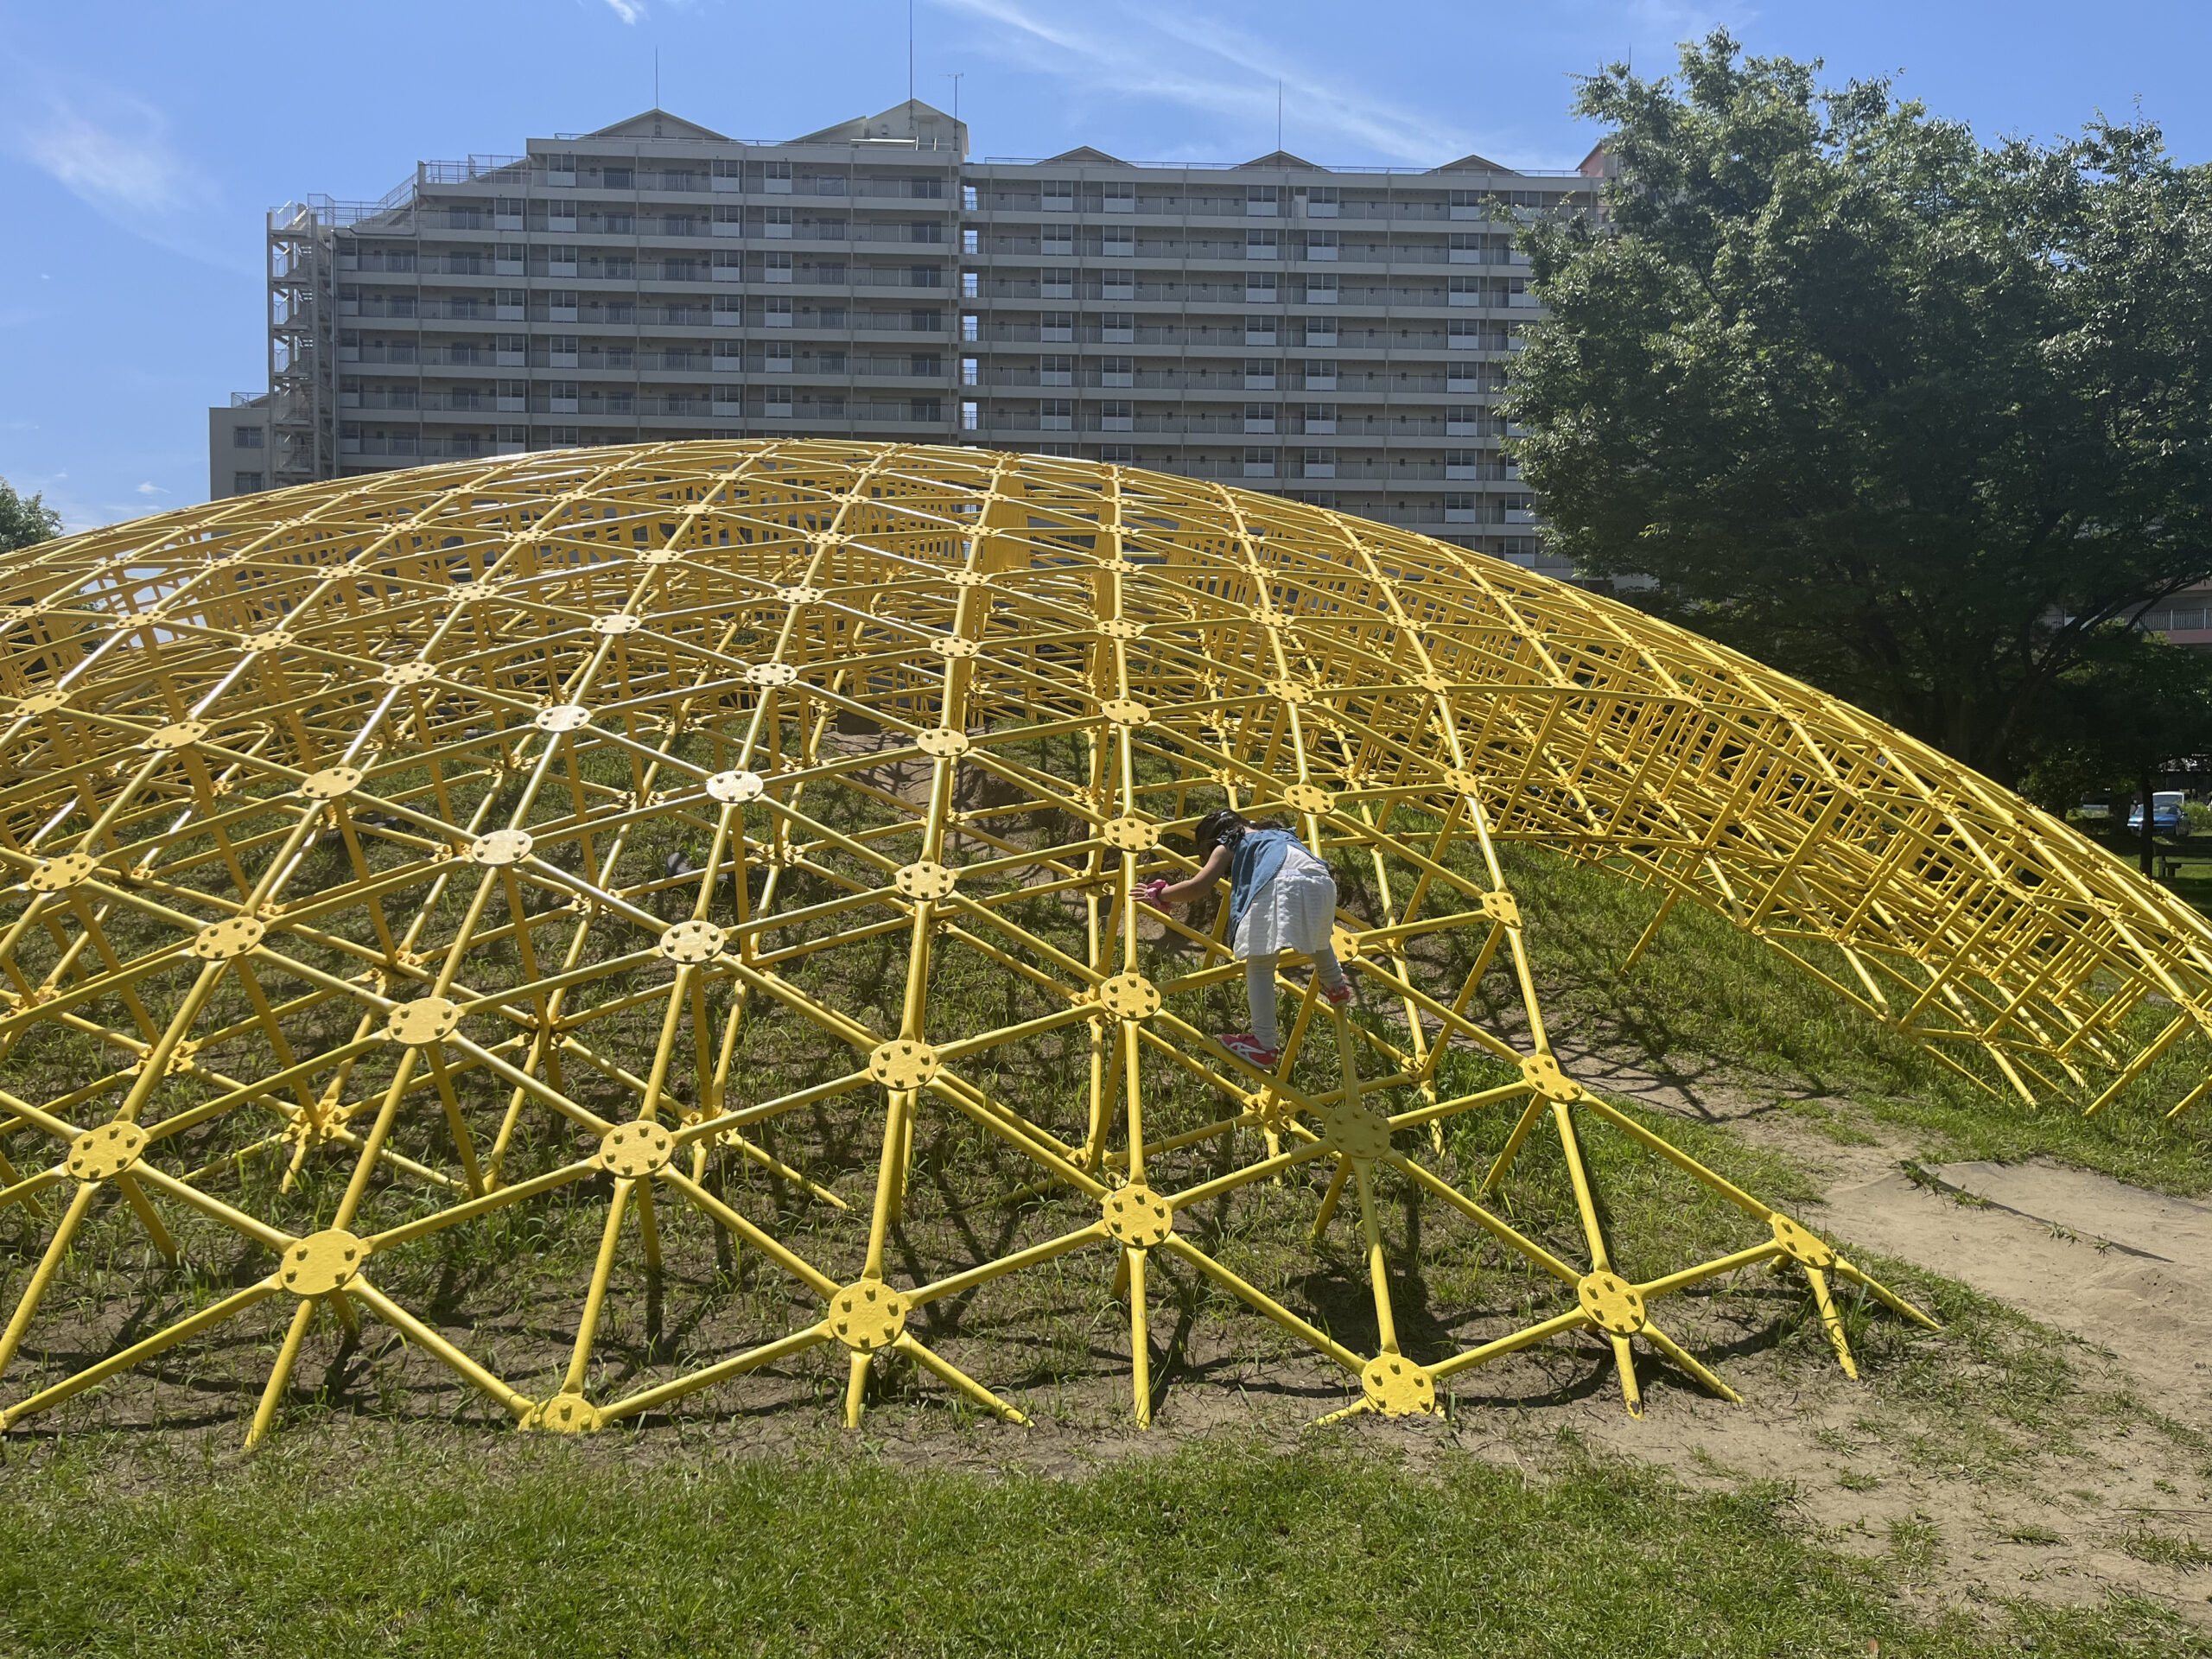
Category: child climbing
[1280,897]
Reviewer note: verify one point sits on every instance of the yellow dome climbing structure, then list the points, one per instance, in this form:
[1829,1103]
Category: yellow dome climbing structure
[392,857]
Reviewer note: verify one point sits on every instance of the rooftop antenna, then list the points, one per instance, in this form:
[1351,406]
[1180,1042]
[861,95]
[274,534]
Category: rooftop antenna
[909,53]
[657,77]
[955,80]
[1278,114]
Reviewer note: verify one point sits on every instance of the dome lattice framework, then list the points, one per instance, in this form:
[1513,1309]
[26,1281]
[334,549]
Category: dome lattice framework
[389,855]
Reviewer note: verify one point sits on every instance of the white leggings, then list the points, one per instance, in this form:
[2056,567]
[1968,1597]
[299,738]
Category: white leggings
[1260,990]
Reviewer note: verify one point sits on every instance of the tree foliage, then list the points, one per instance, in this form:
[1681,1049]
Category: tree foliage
[25,521]
[1920,419]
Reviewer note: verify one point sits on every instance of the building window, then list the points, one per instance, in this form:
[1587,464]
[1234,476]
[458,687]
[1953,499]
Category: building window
[246,437]
[971,241]
[971,327]
[1055,415]
[245,483]
[971,416]
[971,284]
[1117,455]
[971,371]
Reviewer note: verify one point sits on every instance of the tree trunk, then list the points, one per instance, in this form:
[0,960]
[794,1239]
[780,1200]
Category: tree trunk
[2148,830]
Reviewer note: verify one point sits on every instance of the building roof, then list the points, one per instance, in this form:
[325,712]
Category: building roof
[1471,162]
[1085,153]
[1282,158]
[910,119]
[657,124]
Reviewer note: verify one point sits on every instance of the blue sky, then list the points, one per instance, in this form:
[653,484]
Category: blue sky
[140,143]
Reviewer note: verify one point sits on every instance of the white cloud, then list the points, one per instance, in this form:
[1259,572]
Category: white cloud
[107,147]
[113,151]
[628,11]
[151,488]
[1214,68]
[126,164]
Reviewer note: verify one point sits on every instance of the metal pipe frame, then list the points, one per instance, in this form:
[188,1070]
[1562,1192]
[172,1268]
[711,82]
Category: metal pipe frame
[336,813]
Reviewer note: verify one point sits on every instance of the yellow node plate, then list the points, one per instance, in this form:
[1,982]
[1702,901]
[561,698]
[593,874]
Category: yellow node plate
[103,1154]
[322,1262]
[501,846]
[1541,1073]
[636,1150]
[1801,1246]
[1130,834]
[232,937]
[1130,996]
[691,942]
[1612,1303]
[735,788]
[926,881]
[331,783]
[1397,1388]
[1359,1132]
[179,734]
[902,1064]
[54,874]
[1137,1216]
[427,1020]
[867,1316]
[564,1414]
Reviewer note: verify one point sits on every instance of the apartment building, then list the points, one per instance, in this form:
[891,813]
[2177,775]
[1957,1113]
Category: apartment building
[1338,335]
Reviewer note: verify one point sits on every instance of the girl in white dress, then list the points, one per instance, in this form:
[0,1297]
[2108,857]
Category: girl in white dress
[1280,897]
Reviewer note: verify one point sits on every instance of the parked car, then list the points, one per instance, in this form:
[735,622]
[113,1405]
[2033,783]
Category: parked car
[2166,816]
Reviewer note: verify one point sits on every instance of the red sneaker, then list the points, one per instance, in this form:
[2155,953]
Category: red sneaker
[1338,997]
[1248,1048]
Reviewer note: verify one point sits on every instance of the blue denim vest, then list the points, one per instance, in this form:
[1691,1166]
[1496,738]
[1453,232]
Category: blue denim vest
[1259,854]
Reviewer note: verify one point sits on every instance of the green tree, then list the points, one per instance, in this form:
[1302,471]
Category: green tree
[2131,706]
[25,521]
[1914,417]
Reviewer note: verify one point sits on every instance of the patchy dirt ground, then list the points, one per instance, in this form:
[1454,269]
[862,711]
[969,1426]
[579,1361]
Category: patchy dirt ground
[2115,1498]
[2119,1273]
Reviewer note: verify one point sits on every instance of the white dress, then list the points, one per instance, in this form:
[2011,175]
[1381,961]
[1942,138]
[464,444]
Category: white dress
[1294,912]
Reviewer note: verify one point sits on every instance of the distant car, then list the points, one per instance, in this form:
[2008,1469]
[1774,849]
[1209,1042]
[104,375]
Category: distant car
[2166,817]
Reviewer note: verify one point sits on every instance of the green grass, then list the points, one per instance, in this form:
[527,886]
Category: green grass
[1328,1548]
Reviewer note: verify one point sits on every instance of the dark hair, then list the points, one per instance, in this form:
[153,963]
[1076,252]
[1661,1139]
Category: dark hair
[1223,828]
